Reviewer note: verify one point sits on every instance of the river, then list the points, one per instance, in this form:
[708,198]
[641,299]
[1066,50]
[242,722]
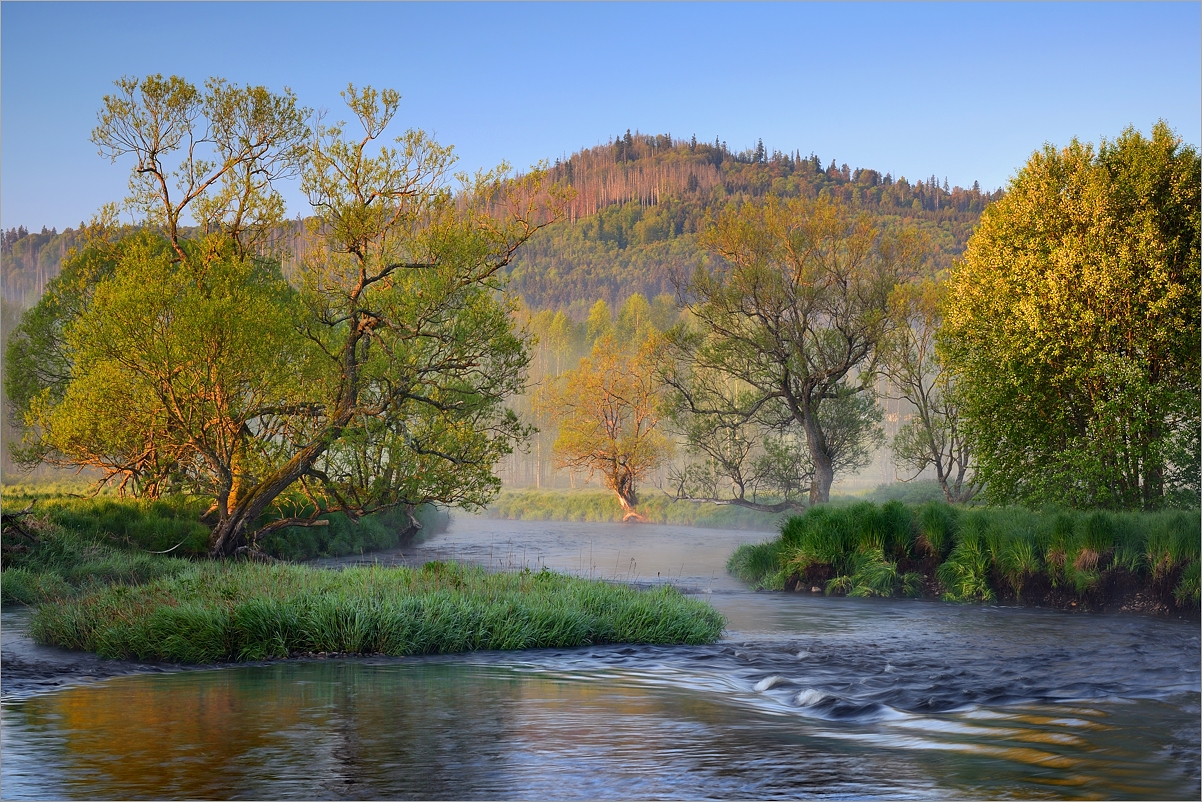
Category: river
[805,696]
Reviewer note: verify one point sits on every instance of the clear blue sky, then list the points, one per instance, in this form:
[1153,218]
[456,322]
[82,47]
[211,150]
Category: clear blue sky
[965,91]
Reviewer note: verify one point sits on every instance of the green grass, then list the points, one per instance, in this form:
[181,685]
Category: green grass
[64,563]
[343,536]
[979,553]
[140,524]
[916,492]
[216,612]
[596,506]
[173,522]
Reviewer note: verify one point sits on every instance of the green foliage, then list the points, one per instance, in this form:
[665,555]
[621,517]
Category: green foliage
[1072,325]
[245,611]
[979,553]
[377,378]
[343,536]
[759,565]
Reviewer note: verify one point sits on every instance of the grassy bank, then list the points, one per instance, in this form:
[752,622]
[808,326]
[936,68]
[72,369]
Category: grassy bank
[1058,558]
[597,506]
[216,612]
[173,522]
[63,563]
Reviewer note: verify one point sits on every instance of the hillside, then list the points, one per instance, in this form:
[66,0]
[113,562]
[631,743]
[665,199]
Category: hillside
[640,201]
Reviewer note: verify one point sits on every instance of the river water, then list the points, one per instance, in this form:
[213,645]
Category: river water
[805,696]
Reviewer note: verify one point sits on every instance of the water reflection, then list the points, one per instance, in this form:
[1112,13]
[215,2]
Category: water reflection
[458,729]
[804,697]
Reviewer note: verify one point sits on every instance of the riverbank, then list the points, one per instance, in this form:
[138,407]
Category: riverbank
[97,592]
[174,524]
[596,506]
[1099,561]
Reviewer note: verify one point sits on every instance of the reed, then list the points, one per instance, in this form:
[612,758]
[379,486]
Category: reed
[979,554]
[232,612]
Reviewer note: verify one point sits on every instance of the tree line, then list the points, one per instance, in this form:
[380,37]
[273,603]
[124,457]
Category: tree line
[1056,360]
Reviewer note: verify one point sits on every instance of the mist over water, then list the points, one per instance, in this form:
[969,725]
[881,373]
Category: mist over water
[804,696]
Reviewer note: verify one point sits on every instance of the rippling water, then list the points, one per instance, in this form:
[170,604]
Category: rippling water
[803,697]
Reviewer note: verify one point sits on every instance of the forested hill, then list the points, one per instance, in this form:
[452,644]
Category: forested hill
[640,201]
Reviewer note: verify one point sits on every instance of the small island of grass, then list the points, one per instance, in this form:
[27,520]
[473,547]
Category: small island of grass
[98,588]
[215,612]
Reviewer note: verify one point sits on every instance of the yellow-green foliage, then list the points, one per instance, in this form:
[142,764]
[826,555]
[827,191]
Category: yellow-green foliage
[222,611]
[1071,328]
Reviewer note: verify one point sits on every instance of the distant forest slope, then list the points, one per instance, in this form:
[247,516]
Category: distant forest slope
[640,201]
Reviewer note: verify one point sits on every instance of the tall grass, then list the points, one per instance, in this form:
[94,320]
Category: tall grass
[174,523]
[978,554]
[602,507]
[214,612]
[150,525]
[63,563]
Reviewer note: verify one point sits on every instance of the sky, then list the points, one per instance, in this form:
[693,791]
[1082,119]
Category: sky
[960,91]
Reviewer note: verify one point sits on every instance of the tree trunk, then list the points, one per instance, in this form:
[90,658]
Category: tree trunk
[623,486]
[405,536]
[824,477]
[230,533]
[824,472]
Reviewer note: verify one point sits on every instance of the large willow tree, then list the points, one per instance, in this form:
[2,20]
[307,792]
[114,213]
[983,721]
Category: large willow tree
[1072,327]
[375,379]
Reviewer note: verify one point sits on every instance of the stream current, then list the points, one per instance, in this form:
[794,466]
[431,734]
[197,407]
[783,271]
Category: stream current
[804,696]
